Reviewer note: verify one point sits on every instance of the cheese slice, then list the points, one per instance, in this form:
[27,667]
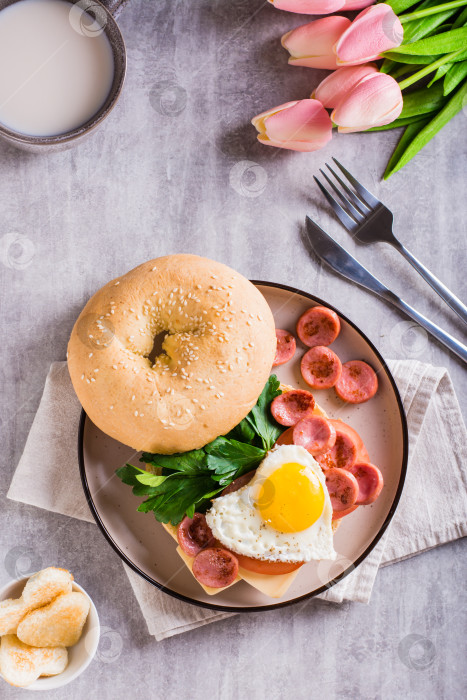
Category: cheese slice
[272,586]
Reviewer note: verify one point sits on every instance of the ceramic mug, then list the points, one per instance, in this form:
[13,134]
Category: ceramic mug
[103,12]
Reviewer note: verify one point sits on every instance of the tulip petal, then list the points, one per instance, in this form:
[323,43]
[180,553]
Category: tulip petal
[309,7]
[332,89]
[300,126]
[312,44]
[356,5]
[258,121]
[373,31]
[376,100]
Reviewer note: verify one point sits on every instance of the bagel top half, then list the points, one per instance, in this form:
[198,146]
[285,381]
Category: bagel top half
[216,355]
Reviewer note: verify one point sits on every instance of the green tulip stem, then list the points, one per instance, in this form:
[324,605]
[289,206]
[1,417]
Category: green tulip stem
[447,58]
[432,10]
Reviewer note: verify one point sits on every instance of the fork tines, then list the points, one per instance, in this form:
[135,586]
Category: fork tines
[356,205]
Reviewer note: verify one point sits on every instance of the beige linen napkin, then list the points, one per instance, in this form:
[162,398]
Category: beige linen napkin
[432,511]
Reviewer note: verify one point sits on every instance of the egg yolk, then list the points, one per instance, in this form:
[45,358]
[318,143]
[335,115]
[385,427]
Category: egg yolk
[290,499]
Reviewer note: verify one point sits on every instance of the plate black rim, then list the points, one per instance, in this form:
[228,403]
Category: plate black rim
[306,596]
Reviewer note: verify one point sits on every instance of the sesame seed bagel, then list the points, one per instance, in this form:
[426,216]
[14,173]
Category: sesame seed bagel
[216,355]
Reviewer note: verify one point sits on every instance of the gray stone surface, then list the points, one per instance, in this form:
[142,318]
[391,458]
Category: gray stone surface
[168,173]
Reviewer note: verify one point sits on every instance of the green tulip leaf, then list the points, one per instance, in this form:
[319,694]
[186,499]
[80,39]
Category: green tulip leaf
[461,19]
[418,134]
[454,40]
[440,73]
[401,121]
[422,101]
[400,6]
[454,76]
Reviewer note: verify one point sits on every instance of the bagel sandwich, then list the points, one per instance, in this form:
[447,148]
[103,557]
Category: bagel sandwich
[218,345]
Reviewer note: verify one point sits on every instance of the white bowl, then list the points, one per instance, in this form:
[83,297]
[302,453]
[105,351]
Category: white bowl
[79,656]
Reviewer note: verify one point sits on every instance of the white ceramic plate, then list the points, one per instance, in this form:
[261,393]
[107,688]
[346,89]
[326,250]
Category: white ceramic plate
[144,545]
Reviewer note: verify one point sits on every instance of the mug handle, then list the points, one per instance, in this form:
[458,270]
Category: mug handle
[114,6]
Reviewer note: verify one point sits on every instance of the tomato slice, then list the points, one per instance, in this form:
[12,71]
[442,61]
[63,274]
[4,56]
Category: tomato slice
[270,568]
[362,454]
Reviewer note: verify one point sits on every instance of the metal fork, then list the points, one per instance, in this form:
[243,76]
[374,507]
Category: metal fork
[371,222]
[344,264]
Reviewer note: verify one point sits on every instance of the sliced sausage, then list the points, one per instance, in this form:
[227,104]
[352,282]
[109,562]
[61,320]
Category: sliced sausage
[315,434]
[292,406]
[358,382]
[194,534]
[320,367]
[286,438]
[342,487]
[362,453]
[337,515]
[342,455]
[286,346]
[318,326]
[238,483]
[215,567]
[370,482]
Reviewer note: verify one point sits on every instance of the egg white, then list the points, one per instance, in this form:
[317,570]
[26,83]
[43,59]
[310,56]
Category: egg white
[238,525]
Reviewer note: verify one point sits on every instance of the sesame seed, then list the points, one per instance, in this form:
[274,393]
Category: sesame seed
[141,415]
[82,376]
[90,354]
[133,397]
[96,370]
[136,413]
[115,285]
[111,408]
[132,310]
[114,367]
[92,379]
[154,269]
[203,408]
[88,381]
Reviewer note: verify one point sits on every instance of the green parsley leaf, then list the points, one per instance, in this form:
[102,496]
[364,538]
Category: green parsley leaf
[187,462]
[260,417]
[151,479]
[190,479]
[229,459]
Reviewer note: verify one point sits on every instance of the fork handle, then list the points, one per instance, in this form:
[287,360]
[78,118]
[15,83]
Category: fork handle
[448,340]
[450,298]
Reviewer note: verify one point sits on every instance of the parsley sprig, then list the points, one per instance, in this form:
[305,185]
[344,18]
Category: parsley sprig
[186,481]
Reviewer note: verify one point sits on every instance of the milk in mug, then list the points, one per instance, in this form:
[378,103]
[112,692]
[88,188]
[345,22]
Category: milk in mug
[56,67]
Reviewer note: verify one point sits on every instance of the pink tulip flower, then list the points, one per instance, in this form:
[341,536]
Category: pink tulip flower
[312,44]
[374,101]
[310,7]
[303,125]
[356,5]
[340,82]
[373,31]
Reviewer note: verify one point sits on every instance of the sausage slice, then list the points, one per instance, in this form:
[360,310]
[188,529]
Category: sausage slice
[342,487]
[238,483]
[320,367]
[286,346]
[315,434]
[318,326]
[370,482]
[357,383]
[194,534]
[215,567]
[292,406]
[337,515]
[342,455]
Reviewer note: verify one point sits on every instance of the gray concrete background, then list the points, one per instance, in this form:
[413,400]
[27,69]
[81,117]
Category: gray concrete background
[177,168]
